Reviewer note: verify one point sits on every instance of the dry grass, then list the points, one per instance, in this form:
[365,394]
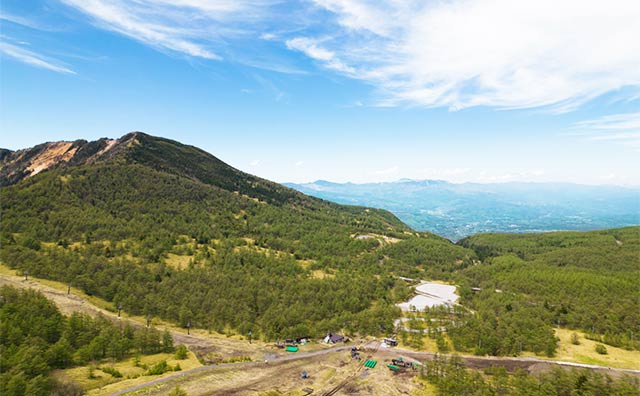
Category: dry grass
[425,388]
[585,352]
[178,261]
[105,384]
[320,274]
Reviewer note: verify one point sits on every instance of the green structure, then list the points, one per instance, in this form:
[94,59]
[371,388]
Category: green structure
[370,363]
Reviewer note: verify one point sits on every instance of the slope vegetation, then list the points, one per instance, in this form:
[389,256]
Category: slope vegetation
[113,220]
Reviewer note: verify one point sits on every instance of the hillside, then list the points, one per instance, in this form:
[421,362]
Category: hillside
[577,280]
[459,210]
[168,230]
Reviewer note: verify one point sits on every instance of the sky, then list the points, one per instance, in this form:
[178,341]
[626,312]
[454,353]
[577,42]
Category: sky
[339,90]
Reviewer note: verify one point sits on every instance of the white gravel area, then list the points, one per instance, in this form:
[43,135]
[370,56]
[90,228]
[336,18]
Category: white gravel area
[429,295]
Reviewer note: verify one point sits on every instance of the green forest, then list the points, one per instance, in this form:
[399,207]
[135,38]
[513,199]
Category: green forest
[580,280]
[256,256]
[35,338]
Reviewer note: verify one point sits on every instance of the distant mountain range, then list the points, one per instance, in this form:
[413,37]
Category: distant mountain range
[458,210]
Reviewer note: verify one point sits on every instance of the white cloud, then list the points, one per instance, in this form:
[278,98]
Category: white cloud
[254,163]
[191,27]
[32,58]
[616,122]
[623,128]
[313,49]
[499,53]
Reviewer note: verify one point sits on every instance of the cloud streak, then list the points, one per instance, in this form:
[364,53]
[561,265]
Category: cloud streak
[31,58]
[496,53]
[455,53]
[623,128]
[196,28]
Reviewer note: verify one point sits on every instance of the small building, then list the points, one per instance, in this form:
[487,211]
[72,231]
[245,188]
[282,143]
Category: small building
[334,338]
[392,342]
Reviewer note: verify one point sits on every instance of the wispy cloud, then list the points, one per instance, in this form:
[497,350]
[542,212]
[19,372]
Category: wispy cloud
[197,28]
[313,49]
[455,53]
[31,58]
[497,53]
[623,128]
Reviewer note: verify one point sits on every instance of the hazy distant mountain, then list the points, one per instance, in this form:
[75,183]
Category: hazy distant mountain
[457,210]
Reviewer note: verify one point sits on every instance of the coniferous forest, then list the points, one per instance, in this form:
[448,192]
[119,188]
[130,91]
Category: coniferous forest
[35,338]
[169,231]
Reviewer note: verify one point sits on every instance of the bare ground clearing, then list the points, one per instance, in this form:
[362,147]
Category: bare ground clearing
[281,374]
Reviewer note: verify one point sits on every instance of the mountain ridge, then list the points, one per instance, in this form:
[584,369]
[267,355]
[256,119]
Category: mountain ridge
[457,210]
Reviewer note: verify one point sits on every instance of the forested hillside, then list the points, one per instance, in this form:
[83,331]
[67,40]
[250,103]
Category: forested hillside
[35,338]
[168,230]
[580,280]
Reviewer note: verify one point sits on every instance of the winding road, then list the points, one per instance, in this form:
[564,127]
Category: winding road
[69,303]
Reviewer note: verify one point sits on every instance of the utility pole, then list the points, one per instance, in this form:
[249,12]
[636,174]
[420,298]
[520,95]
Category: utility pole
[520,342]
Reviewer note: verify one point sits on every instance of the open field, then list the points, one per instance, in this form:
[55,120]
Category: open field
[329,372]
[585,352]
[273,372]
[104,383]
[326,373]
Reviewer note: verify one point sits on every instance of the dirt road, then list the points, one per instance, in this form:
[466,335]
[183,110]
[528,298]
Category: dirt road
[69,303]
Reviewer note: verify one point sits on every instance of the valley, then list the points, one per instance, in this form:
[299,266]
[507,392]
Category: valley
[457,210]
[210,257]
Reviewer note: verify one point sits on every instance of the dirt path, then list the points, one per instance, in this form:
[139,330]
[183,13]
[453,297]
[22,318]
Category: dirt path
[70,303]
[511,363]
[268,362]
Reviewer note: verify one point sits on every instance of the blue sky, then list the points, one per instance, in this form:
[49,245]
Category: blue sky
[342,90]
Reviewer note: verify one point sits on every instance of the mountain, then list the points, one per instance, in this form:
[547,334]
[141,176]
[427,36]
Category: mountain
[458,210]
[167,229]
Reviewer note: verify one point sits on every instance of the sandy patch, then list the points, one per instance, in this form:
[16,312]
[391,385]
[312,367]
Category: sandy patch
[430,294]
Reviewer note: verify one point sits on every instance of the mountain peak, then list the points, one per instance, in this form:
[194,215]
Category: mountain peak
[139,148]
[21,164]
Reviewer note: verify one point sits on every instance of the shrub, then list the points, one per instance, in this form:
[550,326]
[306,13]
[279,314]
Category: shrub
[159,368]
[178,391]
[601,349]
[181,352]
[574,339]
[66,389]
[112,370]
[91,372]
